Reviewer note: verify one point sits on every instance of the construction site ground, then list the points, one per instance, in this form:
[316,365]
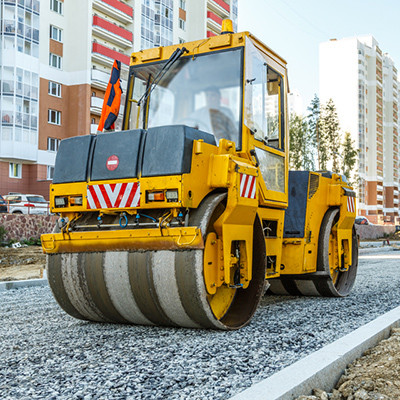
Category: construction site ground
[21,263]
[374,376]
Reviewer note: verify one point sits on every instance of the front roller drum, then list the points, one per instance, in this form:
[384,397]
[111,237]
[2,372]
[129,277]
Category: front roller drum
[155,287]
[328,281]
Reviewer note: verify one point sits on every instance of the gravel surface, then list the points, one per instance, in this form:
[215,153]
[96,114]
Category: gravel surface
[46,354]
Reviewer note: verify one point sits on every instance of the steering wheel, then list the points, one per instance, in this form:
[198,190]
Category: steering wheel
[223,126]
[194,123]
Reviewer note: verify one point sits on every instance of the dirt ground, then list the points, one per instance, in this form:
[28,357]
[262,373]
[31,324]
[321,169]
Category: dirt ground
[376,375]
[21,263]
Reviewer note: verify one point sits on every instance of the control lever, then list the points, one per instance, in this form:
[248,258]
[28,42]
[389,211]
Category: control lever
[254,154]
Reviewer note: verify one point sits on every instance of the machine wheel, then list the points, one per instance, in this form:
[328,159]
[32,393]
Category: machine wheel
[230,308]
[156,287]
[329,281]
[329,260]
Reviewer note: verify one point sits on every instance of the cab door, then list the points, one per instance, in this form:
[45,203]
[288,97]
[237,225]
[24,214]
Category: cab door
[265,121]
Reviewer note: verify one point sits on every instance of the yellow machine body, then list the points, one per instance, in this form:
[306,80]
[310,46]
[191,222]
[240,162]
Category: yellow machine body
[250,179]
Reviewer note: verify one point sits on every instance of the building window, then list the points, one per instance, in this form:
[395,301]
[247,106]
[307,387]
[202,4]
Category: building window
[55,33]
[182,24]
[53,144]
[182,4]
[54,117]
[15,170]
[50,173]
[181,40]
[57,6]
[54,89]
[55,61]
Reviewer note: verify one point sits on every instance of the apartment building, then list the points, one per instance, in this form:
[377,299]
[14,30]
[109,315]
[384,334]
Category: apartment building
[362,81]
[55,63]
[295,104]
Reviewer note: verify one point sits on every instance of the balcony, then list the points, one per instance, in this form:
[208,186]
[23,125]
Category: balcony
[93,128]
[8,87]
[7,118]
[106,56]
[214,21]
[100,79]
[96,105]
[116,9]
[9,26]
[111,32]
[220,7]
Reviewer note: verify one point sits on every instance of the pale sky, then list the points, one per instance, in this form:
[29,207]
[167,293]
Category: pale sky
[294,29]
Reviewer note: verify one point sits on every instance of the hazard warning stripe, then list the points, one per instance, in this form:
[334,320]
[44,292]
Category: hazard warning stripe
[118,195]
[351,204]
[247,186]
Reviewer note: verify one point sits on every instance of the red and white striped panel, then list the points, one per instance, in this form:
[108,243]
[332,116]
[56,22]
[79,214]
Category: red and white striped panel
[351,204]
[116,195]
[248,186]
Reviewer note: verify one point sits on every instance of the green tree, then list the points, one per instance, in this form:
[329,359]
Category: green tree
[300,149]
[329,137]
[298,142]
[349,157]
[313,120]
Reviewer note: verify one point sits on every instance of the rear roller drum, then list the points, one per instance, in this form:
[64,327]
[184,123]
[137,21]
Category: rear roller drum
[329,280]
[156,287]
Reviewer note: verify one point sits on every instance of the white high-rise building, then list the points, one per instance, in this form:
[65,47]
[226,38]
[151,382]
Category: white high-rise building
[295,103]
[19,89]
[363,85]
[55,63]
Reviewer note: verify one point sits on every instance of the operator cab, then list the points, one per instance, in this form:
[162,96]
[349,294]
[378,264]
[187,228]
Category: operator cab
[231,86]
[200,92]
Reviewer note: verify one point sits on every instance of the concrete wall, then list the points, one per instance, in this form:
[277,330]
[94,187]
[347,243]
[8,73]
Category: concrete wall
[20,227]
[374,231]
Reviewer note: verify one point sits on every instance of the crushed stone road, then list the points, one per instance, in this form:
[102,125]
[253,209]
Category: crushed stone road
[44,353]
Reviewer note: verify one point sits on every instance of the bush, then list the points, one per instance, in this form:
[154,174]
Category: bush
[32,242]
[2,233]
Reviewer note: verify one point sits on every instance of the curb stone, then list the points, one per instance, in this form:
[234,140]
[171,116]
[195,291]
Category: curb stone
[9,285]
[323,368]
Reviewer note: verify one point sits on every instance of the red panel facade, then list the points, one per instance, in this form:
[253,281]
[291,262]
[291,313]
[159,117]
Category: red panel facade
[120,6]
[106,51]
[102,23]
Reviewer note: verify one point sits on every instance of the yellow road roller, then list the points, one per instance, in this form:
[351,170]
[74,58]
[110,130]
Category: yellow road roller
[188,214]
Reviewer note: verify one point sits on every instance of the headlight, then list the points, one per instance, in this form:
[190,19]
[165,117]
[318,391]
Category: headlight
[172,196]
[60,201]
[155,196]
[75,200]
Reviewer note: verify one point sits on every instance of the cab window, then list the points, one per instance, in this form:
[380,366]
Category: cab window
[263,99]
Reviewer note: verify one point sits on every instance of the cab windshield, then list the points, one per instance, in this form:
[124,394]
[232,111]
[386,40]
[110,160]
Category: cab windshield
[203,92]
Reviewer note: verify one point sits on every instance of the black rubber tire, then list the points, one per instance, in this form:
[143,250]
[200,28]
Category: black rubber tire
[321,284]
